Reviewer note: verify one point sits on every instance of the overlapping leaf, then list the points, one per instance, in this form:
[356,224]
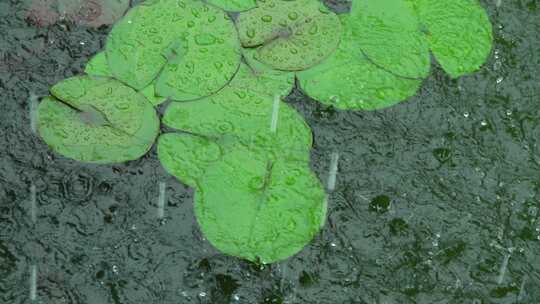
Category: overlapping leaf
[97,120]
[397,34]
[289,35]
[98,66]
[239,115]
[348,80]
[193,48]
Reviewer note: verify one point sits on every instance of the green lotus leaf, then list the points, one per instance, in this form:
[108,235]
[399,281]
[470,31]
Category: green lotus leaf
[240,114]
[258,209]
[253,87]
[191,46]
[97,120]
[98,66]
[150,93]
[397,34]
[289,35]
[209,118]
[459,33]
[388,32]
[234,5]
[210,55]
[348,80]
[136,43]
[187,156]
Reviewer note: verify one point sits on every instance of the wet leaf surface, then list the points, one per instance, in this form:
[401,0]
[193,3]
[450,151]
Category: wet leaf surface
[459,33]
[349,80]
[234,5]
[388,32]
[289,35]
[270,211]
[97,120]
[191,46]
[98,66]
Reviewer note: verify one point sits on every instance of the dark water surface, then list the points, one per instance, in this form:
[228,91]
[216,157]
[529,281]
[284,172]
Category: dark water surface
[437,199]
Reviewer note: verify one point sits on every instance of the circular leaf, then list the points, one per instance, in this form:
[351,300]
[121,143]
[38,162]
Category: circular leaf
[260,210]
[388,33]
[97,120]
[289,35]
[348,80]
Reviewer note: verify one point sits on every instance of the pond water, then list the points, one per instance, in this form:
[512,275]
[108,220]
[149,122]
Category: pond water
[436,200]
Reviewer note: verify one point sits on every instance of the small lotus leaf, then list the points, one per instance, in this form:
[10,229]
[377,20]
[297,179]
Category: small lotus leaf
[459,33]
[388,32]
[289,35]
[97,120]
[258,209]
[234,5]
[348,80]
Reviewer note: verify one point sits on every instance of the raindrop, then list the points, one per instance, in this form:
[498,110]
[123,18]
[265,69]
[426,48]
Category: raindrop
[266,18]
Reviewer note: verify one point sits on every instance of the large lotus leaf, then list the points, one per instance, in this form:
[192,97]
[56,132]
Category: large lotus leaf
[210,118]
[289,35]
[97,120]
[459,33]
[186,156]
[234,5]
[261,210]
[348,80]
[135,47]
[98,66]
[388,32]
[193,48]
[210,54]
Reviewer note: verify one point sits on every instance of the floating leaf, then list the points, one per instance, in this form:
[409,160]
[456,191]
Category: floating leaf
[191,46]
[234,5]
[253,87]
[211,119]
[289,35]
[238,114]
[388,32]
[258,209]
[135,45]
[396,34]
[210,55]
[459,33]
[97,120]
[348,80]
[187,156]
[98,66]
